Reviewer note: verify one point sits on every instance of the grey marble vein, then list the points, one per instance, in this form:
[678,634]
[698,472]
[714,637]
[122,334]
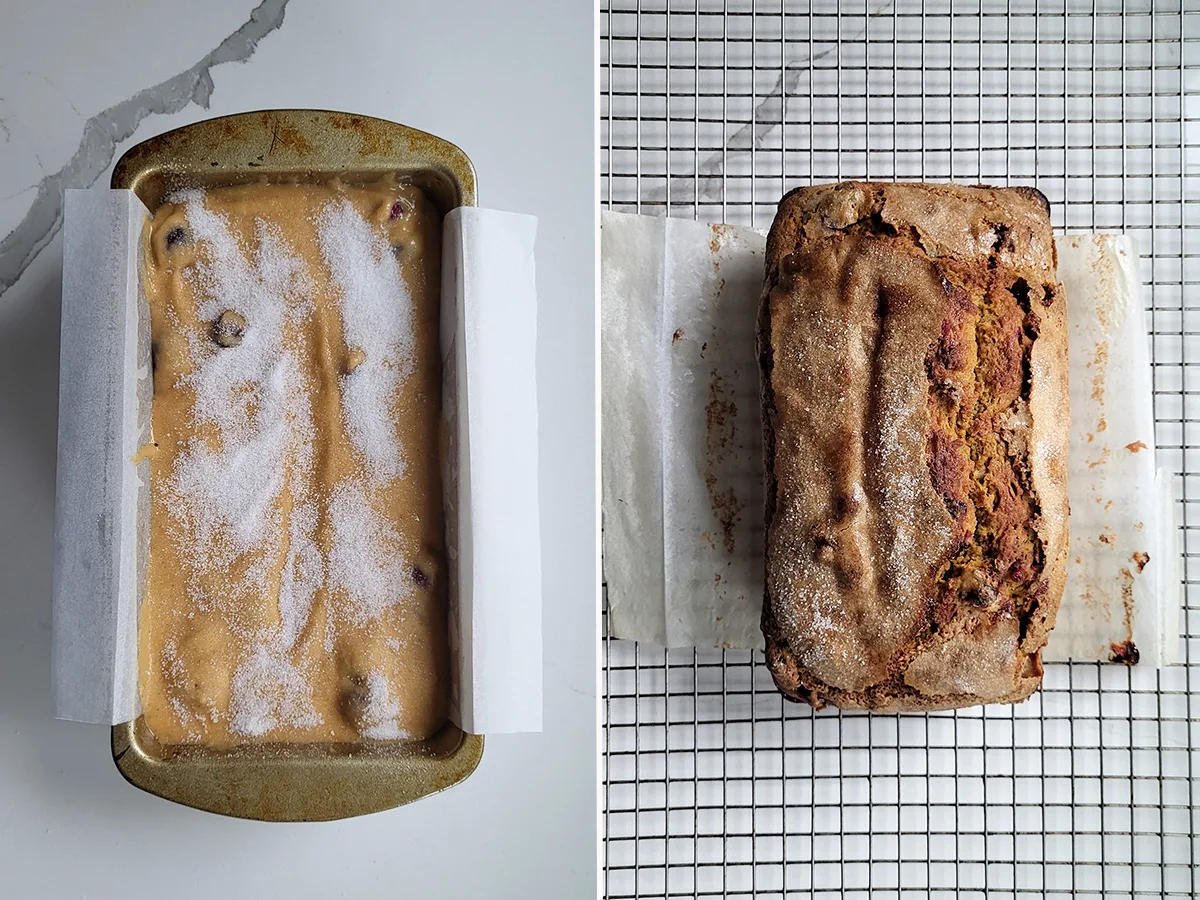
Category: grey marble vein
[769,114]
[104,132]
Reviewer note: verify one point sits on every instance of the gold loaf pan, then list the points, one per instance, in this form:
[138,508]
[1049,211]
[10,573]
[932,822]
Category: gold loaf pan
[295,782]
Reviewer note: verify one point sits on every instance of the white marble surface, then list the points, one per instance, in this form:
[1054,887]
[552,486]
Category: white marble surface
[512,84]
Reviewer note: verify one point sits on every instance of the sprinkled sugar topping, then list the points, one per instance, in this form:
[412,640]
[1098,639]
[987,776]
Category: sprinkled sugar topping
[380,714]
[269,691]
[244,495]
[377,318]
[252,394]
[363,562]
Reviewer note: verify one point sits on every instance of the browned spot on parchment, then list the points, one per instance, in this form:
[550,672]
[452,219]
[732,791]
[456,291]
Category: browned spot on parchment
[1102,425]
[721,425]
[1141,558]
[726,508]
[1094,606]
[1101,370]
[1136,446]
[677,335]
[1126,651]
[715,246]
[1107,536]
[1105,454]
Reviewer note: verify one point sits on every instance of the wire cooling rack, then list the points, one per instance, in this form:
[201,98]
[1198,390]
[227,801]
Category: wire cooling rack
[714,785]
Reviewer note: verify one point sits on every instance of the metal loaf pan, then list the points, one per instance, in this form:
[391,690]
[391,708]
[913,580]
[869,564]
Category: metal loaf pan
[295,782]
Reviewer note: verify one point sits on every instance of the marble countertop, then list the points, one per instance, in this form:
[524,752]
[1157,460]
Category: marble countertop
[512,84]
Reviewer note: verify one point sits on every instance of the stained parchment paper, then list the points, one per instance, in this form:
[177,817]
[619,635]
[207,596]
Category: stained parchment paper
[1122,595]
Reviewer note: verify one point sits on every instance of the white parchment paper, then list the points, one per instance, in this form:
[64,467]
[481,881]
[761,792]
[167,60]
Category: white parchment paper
[489,347]
[1119,582]
[681,455]
[682,443]
[102,500]
[489,303]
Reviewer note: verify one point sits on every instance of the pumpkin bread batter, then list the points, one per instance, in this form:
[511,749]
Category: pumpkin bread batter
[296,588]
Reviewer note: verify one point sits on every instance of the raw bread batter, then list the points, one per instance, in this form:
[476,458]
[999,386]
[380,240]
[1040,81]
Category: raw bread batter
[296,586]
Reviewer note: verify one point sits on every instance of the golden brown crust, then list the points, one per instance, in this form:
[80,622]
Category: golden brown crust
[912,345]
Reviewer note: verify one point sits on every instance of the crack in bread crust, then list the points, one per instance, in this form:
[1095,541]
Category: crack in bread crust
[916,541]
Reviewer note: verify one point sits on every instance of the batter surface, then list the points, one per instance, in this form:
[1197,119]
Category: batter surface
[296,587]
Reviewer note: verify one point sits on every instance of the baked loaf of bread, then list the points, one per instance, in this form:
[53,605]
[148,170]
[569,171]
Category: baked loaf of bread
[913,354]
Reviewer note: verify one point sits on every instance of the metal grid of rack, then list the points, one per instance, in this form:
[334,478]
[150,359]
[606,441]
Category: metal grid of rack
[714,786]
